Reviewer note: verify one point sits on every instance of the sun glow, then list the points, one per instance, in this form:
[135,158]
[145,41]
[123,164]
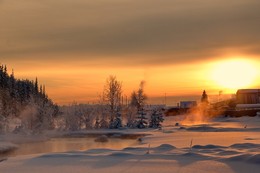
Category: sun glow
[234,74]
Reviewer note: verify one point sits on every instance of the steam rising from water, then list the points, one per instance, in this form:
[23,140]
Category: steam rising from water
[197,115]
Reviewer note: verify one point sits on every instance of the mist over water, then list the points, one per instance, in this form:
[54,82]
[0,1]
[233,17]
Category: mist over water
[56,145]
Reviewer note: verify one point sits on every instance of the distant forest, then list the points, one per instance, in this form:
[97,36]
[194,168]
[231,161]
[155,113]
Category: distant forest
[20,98]
[25,108]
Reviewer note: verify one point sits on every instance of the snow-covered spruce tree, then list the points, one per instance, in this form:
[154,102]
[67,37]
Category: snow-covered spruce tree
[141,120]
[117,122]
[1,102]
[5,103]
[9,104]
[47,112]
[156,119]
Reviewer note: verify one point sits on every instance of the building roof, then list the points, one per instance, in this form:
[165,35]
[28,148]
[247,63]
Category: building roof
[248,91]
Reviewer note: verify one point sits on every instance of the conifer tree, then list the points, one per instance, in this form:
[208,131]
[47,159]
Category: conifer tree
[117,122]
[44,92]
[204,97]
[19,95]
[36,88]
[141,122]
[156,119]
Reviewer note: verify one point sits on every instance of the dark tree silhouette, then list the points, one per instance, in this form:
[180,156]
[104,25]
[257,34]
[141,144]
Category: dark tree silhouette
[204,97]
[18,95]
[138,98]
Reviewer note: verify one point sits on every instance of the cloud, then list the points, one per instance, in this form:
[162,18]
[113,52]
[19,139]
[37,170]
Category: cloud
[169,31]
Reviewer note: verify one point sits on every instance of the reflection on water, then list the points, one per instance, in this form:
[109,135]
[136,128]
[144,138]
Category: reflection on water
[70,144]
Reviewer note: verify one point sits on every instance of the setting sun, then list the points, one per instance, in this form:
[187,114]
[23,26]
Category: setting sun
[235,73]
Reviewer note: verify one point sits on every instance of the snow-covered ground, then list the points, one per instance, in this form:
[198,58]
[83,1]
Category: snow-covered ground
[223,145]
[7,146]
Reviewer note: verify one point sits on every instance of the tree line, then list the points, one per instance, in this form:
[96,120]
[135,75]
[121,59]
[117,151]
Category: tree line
[26,100]
[110,112]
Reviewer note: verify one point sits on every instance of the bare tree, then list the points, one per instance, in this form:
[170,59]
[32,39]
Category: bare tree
[112,94]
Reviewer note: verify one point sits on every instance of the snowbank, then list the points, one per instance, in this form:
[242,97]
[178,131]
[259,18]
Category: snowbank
[224,145]
[163,158]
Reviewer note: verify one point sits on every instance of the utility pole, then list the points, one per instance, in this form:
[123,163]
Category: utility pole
[165,99]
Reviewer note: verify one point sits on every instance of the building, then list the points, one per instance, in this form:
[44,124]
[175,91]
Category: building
[188,104]
[248,96]
[154,107]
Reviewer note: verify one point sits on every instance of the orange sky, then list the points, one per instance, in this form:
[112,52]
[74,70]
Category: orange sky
[72,46]
[68,81]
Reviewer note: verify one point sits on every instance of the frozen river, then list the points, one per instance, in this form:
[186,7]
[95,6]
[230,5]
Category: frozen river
[55,145]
